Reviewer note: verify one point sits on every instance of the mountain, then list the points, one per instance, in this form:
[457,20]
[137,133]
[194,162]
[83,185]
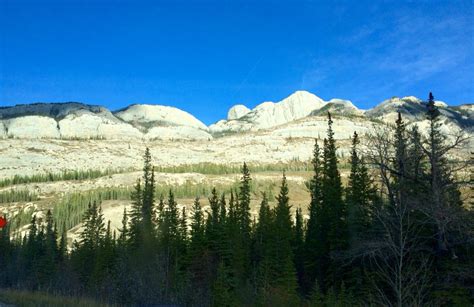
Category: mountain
[339,107]
[237,112]
[300,114]
[270,114]
[414,110]
[163,122]
[80,121]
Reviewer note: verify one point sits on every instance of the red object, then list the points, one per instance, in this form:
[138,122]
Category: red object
[3,222]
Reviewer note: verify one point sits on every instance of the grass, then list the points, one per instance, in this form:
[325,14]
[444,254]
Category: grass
[17,196]
[65,175]
[27,298]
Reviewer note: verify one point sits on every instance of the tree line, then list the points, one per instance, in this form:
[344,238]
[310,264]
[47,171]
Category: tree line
[397,234]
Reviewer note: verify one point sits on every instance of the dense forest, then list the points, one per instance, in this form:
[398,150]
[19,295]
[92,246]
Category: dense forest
[397,234]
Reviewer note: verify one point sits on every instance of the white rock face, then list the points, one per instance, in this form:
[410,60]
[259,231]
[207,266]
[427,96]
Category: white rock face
[155,115]
[237,112]
[32,127]
[87,125]
[177,133]
[296,106]
[298,115]
[269,114]
[316,128]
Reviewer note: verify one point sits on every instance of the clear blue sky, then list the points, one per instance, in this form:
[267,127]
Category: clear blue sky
[205,56]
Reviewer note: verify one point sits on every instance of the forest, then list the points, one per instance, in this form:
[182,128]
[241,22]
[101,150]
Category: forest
[399,233]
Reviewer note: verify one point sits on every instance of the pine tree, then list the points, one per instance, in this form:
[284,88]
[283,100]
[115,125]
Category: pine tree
[360,195]
[212,222]
[315,238]
[63,253]
[299,247]
[242,241]
[284,270]
[85,252]
[136,216]
[222,294]
[124,232]
[263,249]
[197,240]
[243,210]
[47,263]
[332,193]
[401,182]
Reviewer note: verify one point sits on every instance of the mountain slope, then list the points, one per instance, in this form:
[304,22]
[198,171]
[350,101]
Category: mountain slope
[270,114]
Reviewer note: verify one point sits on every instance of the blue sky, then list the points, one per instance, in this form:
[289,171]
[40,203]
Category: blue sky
[205,56]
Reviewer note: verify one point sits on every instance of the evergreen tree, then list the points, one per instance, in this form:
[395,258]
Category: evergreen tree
[315,238]
[299,247]
[62,251]
[136,216]
[86,250]
[212,223]
[263,249]
[360,195]
[124,232]
[222,294]
[284,270]
[332,193]
[243,210]
[197,240]
[148,204]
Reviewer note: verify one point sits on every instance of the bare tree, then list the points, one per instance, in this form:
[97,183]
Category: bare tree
[397,252]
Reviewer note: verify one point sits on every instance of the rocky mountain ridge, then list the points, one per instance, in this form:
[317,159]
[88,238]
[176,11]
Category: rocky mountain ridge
[73,120]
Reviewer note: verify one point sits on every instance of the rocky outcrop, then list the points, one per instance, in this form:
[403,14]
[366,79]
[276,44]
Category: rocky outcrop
[269,114]
[86,125]
[237,112]
[147,116]
[32,126]
[339,107]
[81,121]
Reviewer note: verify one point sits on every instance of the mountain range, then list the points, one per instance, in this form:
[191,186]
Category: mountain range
[72,120]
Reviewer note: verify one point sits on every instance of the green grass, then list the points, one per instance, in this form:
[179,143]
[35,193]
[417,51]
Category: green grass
[65,175]
[17,196]
[27,298]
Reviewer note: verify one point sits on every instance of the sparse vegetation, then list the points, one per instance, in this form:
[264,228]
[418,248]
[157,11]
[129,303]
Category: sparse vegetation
[219,169]
[66,175]
[13,196]
[69,210]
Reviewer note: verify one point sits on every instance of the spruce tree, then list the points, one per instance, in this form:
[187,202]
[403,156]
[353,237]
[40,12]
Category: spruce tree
[197,239]
[299,247]
[360,195]
[315,238]
[212,222]
[284,270]
[263,249]
[332,193]
[135,238]
[243,210]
